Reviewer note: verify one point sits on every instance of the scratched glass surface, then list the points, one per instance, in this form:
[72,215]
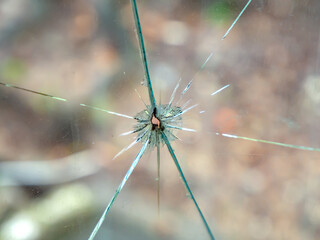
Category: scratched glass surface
[57,168]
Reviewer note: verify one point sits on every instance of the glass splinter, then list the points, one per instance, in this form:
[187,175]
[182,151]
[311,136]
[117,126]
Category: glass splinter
[132,144]
[270,142]
[65,100]
[190,82]
[174,93]
[124,180]
[155,121]
[184,91]
[140,97]
[186,104]
[126,148]
[206,61]
[127,133]
[188,109]
[235,21]
[158,173]
[219,90]
[171,151]
[143,52]
[181,128]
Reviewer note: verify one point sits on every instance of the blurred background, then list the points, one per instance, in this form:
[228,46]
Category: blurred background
[56,168]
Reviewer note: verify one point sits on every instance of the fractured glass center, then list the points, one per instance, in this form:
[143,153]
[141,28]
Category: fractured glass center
[151,123]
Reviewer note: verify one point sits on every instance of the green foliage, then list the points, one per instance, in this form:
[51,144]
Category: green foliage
[13,69]
[219,12]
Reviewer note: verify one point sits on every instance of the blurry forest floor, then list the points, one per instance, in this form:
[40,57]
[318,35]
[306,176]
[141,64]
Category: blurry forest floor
[56,169]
